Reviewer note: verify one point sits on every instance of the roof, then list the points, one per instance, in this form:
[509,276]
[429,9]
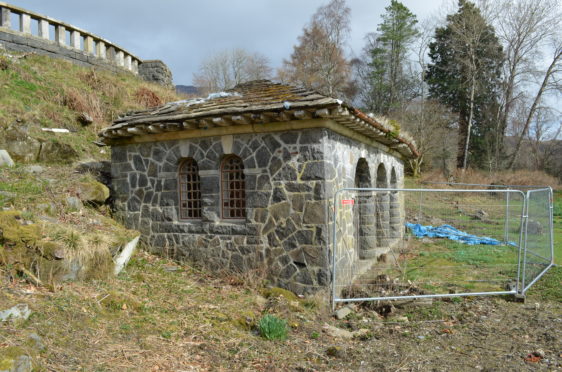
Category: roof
[256,102]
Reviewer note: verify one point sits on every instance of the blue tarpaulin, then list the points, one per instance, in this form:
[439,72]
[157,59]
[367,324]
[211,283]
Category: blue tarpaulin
[449,232]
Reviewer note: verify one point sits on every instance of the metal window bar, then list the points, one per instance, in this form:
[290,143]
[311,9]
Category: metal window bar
[189,190]
[516,213]
[233,188]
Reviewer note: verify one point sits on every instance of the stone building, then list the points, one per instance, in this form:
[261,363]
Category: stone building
[244,179]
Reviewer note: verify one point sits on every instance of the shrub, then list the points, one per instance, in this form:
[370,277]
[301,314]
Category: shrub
[147,97]
[273,328]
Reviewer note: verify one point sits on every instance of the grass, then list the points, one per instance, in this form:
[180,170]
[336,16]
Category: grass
[150,316]
[443,266]
[272,327]
[39,92]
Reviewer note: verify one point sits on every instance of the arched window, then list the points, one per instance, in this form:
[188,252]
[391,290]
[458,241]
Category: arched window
[189,190]
[233,188]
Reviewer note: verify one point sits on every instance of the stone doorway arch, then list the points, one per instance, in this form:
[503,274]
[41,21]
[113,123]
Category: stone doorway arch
[382,209]
[394,207]
[364,212]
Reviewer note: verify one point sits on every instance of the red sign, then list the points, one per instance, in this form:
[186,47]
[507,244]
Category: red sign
[347,202]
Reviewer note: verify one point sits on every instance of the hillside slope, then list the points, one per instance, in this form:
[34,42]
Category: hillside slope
[39,92]
[55,218]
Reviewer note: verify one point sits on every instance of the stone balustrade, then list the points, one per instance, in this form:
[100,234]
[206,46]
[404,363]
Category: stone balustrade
[23,30]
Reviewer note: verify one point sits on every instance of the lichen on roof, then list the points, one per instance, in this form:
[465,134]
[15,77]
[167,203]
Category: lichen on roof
[255,102]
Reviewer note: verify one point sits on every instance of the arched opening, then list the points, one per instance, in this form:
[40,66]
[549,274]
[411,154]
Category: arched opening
[394,208]
[382,207]
[364,212]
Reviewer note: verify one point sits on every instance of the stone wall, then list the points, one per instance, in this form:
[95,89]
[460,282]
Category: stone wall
[47,36]
[360,244]
[157,72]
[290,179]
[285,230]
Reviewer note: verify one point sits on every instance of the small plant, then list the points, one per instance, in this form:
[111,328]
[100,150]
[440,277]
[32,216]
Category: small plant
[315,335]
[72,240]
[273,328]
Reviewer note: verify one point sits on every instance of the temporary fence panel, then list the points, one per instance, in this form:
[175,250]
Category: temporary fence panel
[414,243]
[538,256]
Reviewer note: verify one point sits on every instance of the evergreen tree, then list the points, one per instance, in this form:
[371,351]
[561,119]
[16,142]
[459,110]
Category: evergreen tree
[390,85]
[464,73]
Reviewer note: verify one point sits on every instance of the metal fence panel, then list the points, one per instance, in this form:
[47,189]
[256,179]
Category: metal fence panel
[538,256]
[375,257]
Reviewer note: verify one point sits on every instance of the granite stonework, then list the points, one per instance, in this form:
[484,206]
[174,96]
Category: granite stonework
[373,224]
[290,180]
[156,71]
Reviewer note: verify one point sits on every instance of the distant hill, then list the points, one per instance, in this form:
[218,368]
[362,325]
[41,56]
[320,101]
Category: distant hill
[187,89]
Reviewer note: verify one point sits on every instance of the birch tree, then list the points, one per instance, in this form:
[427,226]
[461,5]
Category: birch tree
[523,27]
[318,62]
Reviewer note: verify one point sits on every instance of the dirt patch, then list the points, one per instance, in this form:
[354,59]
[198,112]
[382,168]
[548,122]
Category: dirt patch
[156,319]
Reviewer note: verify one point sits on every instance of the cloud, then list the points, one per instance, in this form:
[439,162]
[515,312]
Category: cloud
[182,33]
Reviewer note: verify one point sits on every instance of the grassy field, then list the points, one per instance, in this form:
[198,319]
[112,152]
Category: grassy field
[442,266]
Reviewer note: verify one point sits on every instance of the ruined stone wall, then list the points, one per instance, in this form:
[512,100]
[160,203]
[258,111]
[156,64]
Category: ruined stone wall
[285,230]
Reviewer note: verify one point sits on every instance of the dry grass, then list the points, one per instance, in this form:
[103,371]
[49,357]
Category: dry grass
[162,320]
[147,97]
[159,315]
[84,102]
[44,92]
[474,176]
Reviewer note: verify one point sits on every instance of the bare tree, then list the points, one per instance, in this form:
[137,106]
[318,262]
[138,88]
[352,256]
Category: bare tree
[549,81]
[229,68]
[433,127]
[543,135]
[523,27]
[318,61]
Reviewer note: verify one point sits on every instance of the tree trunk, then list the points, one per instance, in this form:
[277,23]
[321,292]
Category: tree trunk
[469,126]
[535,105]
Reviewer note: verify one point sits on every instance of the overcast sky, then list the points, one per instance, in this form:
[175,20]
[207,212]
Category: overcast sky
[183,33]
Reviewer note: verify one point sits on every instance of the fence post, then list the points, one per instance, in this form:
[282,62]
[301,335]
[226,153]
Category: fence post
[551,205]
[60,34]
[334,245]
[524,232]
[75,39]
[101,50]
[89,45]
[506,227]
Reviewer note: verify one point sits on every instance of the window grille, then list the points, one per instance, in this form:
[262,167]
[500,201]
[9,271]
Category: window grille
[189,190]
[233,188]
